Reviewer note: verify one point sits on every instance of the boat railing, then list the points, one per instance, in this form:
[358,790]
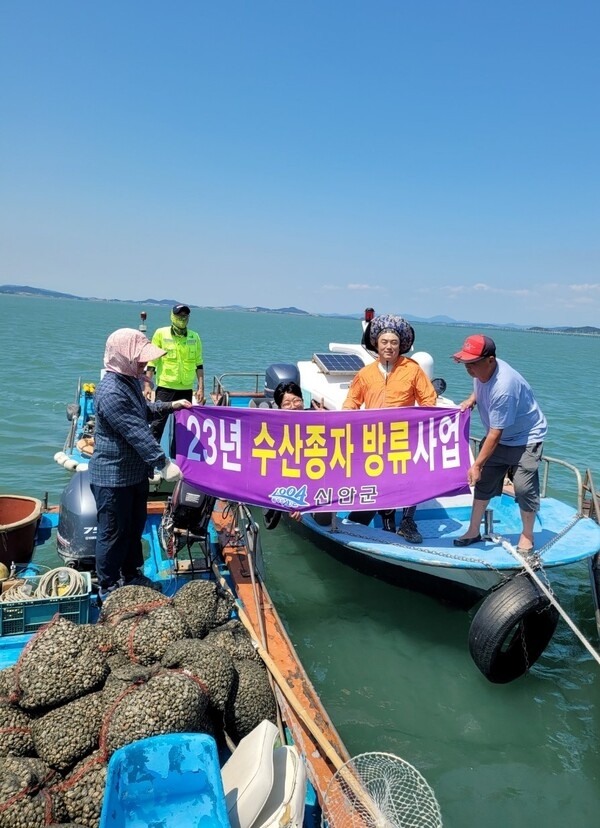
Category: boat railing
[591,498]
[554,463]
[72,433]
[246,384]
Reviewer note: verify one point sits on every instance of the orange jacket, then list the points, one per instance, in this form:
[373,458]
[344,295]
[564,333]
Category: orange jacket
[406,384]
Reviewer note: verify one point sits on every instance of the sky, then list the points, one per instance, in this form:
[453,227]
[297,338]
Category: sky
[431,157]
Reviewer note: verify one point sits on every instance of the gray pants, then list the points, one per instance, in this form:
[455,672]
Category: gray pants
[522,464]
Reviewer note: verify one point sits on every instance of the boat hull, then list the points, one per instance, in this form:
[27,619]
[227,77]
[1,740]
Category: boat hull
[562,537]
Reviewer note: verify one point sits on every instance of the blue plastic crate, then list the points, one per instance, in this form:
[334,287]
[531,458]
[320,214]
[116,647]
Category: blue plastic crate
[28,616]
[171,780]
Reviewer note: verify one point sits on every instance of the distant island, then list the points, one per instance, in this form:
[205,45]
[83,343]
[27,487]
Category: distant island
[25,290]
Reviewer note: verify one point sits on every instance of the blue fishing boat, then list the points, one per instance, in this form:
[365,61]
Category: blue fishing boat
[492,571]
[79,442]
[287,768]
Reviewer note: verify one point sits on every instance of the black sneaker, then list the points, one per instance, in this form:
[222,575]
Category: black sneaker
[409,531]
[141,580]
[104,592]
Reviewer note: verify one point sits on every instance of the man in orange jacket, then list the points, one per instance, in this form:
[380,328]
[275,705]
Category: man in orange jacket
[394,380]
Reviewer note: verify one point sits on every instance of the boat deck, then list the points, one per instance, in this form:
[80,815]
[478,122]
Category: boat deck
[562,536]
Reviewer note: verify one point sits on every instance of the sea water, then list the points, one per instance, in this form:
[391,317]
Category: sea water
[391,665]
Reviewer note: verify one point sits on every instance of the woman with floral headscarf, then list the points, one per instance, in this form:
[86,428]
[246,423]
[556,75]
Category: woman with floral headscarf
[392,381]
[125,456]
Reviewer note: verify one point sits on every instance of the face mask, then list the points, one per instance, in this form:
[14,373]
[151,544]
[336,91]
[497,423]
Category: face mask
[179,322]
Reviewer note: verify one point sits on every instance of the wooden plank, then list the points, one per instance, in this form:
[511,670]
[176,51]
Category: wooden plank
[258,605]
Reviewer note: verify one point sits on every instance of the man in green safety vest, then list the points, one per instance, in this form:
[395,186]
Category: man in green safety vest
[176,370]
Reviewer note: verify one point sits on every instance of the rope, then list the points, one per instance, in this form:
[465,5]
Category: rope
[61,582]
[522,562]
[549,595]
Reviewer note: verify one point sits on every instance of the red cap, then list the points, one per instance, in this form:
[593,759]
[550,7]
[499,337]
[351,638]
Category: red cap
[476,347]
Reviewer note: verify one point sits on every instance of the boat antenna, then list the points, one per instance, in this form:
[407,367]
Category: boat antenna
[142,325]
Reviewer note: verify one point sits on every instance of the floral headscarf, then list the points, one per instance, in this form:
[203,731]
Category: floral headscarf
[396,325]
[126,349]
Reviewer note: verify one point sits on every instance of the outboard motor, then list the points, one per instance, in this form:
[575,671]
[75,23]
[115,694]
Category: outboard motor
[77,523]
[280,372]
[186,518]
[191,508]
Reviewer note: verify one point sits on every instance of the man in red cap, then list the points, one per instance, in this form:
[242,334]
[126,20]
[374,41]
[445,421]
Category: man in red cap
[515,429]
[177,369]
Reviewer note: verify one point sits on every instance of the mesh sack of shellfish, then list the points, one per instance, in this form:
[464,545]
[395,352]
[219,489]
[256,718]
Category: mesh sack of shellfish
[234,639]
[144,633]
[170,702]
[251,700]
[83,790]
[27,799]
[66,825]
[68,733]
[6,680]
[123,675]
[204,605]
[60,663]
[211,665]
[15,731]
[128,598]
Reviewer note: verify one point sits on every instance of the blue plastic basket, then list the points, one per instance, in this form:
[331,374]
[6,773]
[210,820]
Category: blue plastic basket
[28,616]
[172,780]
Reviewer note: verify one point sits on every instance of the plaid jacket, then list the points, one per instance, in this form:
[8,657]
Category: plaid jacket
[125,452]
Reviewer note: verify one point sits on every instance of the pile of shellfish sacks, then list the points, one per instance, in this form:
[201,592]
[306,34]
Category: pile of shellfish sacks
[151,665]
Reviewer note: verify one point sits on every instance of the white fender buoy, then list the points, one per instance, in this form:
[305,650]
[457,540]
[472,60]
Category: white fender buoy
[60,457]
[81,467]
[70,464]
[425,360]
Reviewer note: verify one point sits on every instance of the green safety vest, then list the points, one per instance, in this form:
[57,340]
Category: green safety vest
[177,368]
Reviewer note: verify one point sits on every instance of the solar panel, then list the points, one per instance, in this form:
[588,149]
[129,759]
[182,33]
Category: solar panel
[338,363]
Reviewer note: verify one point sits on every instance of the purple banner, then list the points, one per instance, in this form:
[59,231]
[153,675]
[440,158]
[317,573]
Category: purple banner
[324,460]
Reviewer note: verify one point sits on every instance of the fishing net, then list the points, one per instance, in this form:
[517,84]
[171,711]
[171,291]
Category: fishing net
[379,790]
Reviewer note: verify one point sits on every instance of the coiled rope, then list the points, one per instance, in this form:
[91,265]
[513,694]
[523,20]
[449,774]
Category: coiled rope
[61,582]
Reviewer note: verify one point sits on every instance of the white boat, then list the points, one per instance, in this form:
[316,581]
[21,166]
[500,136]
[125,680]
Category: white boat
[563,534]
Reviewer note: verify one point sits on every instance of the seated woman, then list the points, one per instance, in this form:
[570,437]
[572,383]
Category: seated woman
[288,396]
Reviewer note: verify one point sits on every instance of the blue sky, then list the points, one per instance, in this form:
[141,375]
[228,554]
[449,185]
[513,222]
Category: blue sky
[428,157]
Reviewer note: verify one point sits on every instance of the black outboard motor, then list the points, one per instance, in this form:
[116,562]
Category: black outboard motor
[184,525]
[280,372]
[77,523]
[191,509]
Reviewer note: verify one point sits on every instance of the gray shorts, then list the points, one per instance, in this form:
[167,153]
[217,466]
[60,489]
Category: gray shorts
[522,464]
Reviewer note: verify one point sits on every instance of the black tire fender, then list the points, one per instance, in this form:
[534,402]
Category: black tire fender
[271,518]
[511,629]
